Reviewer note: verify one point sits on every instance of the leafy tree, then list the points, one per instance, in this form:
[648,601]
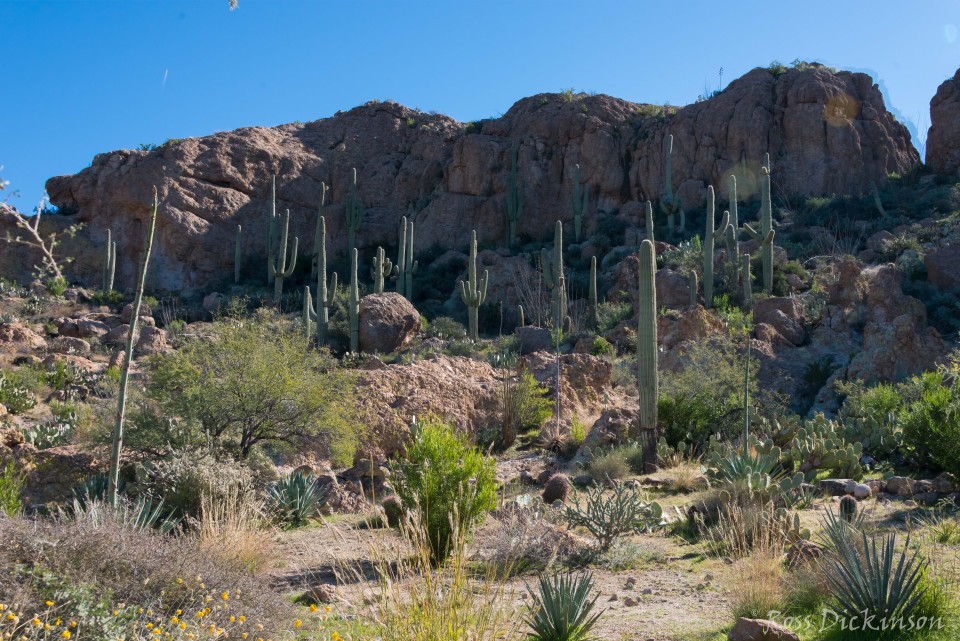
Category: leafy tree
[255,381]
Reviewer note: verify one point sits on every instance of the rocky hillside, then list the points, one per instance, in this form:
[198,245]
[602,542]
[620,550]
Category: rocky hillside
[826,132]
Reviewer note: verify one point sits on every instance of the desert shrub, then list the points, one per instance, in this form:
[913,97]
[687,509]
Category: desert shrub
[141,568]
[609,467]
[527,538]
[524,406]
[451,484]
[254,383]
[14,395]
[692,407]
[295,498]
[230,526]
[56,285]
[740,530]
[111,298]
[446,328]
[602,347]
[562,608]
[931,425]
[182,479]
[612,314]
[610,516]
[756,585]
[578,431]
[11,490]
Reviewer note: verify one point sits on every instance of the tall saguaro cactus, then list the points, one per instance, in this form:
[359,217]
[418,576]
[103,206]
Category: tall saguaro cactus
[109,263]
[354,213]
[553,278]
[648,211]
[353,305]
[472,291]
[669,203]
[693,285]
[647,377]
[281,265]
[321,313]
[406,265]
[710,237]
[766,232]
[273,229]
[114,475]
[733,231]
[381,269]
[593,314]
[319,234]
[514,204]
[579,201]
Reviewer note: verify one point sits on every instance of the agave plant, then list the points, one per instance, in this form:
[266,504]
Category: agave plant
[295,498]
[609,516]
[750,472]
[871,575]
[141,513]
[562,609]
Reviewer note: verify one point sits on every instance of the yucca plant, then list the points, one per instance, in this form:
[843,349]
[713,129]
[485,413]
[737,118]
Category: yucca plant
[139,514]
[871,575]
[295,498]
[562,609]
[609,516]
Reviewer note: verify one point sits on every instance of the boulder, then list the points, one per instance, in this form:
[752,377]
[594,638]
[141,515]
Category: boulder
[900,485]
[534,339]
[829,132]
[19,338]
[760,630]
[862,491]
[388,322]
[943,268]
[943,137]
[673,289]
[784,315]
[946,483]
[89,327]
[834,487]
[152,340]
[68,345]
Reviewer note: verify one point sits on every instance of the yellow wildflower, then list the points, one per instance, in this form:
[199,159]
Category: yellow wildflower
[297,623]
[313,607]
[225,596]
[49,604]
[65,634]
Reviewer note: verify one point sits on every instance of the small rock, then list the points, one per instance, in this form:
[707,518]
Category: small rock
[834,487]
[613,597]
[926,498]
[647,591]
[760,630]
[322,593]
[862,491]
[630,602]
[900,485]
[946,483]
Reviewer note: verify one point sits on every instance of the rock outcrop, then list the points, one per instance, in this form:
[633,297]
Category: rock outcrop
[388,322]
[943,137]
[826,133]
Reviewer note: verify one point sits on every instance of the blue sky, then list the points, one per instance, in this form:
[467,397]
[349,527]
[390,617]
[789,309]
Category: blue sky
[86,76]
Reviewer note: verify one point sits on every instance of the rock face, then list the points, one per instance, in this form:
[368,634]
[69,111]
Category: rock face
[826,133]
[387,322]
[943,137]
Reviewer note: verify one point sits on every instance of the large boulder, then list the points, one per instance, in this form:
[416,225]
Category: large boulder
[943,137]
[828,133]
[943,267]
[17,337]
[388,322]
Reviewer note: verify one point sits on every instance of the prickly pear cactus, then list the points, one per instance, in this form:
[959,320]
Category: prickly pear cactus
[819,445]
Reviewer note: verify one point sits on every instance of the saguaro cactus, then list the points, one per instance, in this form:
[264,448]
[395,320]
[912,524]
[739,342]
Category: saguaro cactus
[237,255]
[747,279]
[578,202]
[647,378]
[320,315]
[520,320]
[353,305]
[382,268]
[319,234]
[473,292]
[273,229]
[694,287]
[733,230]
[593,314]
[109,263]
[406,266]
[354,213]
[281,266]
[710,236]
[648,210]
[669,203]
[514,203]
[766,233]
[114,478]
[553,278]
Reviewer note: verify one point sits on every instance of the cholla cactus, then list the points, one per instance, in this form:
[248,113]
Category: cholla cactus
[610,516]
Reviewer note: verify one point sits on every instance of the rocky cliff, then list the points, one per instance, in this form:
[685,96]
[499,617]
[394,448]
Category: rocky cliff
[826,133]
[943,137]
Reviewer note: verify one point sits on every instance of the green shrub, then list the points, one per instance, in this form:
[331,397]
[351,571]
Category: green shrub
[56,285]
[14,395]
[181,479]
[562,609]
[612,314]
[111,298]
[446,328]
[609,467]
[578,431]
[931,425]
[11,489]
[602,347]
[524,406]
[448,482]
[255,383]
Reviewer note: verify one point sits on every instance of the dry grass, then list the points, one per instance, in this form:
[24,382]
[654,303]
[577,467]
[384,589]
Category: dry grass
[742,530]
[685,478]
[756,585]
[232,526]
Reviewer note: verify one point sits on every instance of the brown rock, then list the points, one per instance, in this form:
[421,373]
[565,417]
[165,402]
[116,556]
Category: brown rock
[673,289]
[89,327]
[829,133]
[388,322]
[760,630]
[943,268]
[151,340]
[943,137]
[18,337]
[67,345]
[534,339]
